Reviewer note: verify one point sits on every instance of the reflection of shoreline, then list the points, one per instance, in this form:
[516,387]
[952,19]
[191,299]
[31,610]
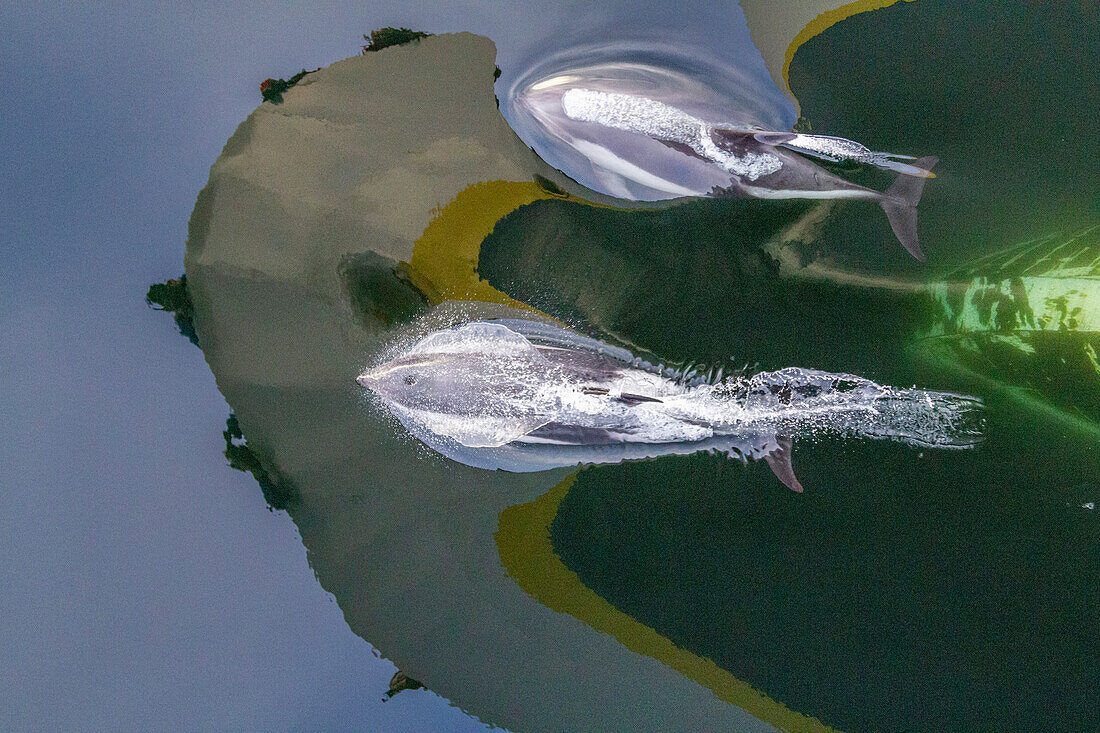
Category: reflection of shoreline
[279,493]
[174,297]
[523,541]
[779,29]
[359,159]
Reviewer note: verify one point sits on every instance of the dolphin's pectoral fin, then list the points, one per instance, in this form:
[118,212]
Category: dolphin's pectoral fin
[779,461]
[595,390]
[488,432]
[635,399]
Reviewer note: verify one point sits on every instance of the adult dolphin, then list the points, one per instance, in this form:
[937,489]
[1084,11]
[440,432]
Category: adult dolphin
[648,148]
[527,396]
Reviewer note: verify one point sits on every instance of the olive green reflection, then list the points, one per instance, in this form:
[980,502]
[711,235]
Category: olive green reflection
[300,264]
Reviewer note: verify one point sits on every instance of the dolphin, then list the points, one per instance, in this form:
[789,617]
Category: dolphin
[526,396]
[649,149]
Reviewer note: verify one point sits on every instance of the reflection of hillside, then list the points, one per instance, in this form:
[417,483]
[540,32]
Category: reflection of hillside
[329,221]
[279,493]
[172,296]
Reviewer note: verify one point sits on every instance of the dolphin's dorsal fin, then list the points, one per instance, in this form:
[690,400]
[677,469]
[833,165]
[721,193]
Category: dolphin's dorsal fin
[779,461]
[477,338]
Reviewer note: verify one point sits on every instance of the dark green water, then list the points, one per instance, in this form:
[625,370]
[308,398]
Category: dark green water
[1005,94]
[944,591]
[904,590]
[695,283]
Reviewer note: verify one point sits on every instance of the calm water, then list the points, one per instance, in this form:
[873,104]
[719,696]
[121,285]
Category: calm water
[386,196]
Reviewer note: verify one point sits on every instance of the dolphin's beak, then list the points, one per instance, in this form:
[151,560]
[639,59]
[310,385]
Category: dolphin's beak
[366,380]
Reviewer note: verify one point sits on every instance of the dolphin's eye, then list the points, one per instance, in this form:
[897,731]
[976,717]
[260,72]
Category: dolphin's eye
[410,380]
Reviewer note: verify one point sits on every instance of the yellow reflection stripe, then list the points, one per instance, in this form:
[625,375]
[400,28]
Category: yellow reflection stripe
[444,259]
[523,541]
[822,23]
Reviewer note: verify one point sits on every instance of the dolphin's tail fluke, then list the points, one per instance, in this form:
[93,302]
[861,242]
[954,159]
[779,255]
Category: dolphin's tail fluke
[900,204]
[779,460]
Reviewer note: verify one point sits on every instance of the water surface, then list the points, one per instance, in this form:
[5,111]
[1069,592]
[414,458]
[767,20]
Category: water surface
[903,590]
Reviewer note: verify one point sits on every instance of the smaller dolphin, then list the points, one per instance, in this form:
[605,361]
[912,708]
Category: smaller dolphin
[525,396]
[756,163]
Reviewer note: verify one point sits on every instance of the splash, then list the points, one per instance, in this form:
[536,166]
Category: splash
[527,396]
[819,403]
[658,120]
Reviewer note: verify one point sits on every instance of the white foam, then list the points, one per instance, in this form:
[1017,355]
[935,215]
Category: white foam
[475,338]
[833,148]
[487,385]
[661,121]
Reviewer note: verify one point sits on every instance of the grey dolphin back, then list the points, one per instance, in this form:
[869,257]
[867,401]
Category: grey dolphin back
[548,335]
